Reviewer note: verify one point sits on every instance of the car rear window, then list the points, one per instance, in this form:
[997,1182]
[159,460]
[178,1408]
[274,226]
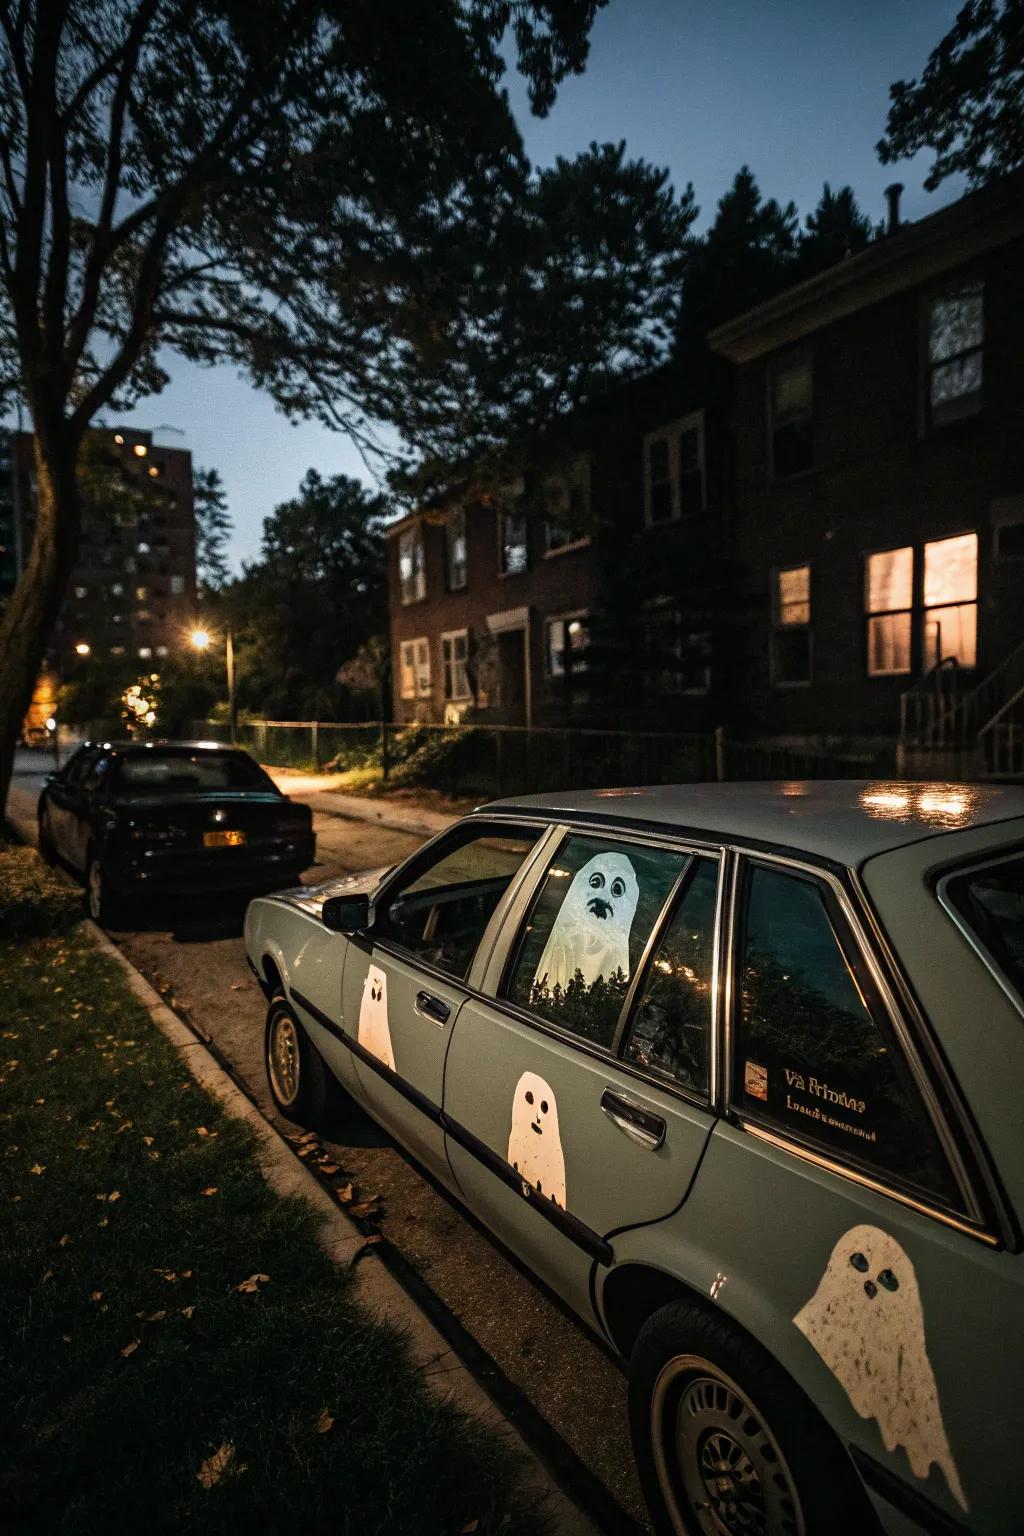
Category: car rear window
[189,773]
[991,903]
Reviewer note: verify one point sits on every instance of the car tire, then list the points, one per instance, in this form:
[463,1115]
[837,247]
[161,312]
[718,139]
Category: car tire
[99,904]
[302,1085]
[726,1442]
[44,841]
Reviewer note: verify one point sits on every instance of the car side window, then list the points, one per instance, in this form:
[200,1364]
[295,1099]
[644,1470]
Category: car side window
[810,1055]
[439,912]
[587,930]
[670,1033]
[78,768]
[97,772]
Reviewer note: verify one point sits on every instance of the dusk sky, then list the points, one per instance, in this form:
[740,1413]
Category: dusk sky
[798,89]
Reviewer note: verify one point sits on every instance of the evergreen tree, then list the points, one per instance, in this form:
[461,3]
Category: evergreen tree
[213,528]
[836,229]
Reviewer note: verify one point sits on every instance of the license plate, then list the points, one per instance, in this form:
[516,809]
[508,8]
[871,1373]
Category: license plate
[223,839]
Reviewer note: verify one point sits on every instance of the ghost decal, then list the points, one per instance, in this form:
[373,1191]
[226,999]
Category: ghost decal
[534,1145]
[591,932]
[373,1031]
[865,1321]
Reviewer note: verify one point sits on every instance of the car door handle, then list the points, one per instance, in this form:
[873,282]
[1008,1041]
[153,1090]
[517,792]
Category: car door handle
[638,1122]
[432,1008]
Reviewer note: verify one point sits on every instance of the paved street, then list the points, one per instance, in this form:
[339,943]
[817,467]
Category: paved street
[196,954]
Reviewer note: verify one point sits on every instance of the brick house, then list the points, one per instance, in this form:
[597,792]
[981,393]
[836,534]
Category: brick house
[878,518]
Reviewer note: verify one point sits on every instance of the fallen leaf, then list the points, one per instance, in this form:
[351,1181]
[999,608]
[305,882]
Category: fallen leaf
[47,1276]
[130,1349]
[38,1168]
[166,1274]
[186,1274]
[201,1130]
[344,1193]
[62,1242]
[247,1287]
[324,1422]
[40,1101]
[104,1221]
[125,1127]
[187,1311]
[95,1295]
[151,1317]
[236,986]
[215,1466]
[363,1209]
[211,1191]
[66,1337]
[375,1238]
[470,1527]
[148,1140]
[328,1169]
[115,1194]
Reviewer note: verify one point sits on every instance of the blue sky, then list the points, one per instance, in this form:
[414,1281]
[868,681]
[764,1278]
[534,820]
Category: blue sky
[797,89]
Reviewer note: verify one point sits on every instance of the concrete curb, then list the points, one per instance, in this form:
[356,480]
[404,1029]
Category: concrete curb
[377,1288]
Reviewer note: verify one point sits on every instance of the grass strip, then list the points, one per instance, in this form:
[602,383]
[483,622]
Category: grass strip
[153,1381]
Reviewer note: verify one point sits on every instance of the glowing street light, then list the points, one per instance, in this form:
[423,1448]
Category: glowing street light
[83,648]
[201,639]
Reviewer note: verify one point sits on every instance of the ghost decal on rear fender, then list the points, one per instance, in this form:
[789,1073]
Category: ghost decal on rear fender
[591,932]
[373,1032]
[866,1322]
[534,1144]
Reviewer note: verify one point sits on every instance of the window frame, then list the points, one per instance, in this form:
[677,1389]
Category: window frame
[448,637]
[886,613]
[579,471]
[777,364]
[671,432]
[924,608]
[456,520]
[882,1005]
[564,618]
[779,628]
[965,407]
[503,514]
[414,531]
[417,691]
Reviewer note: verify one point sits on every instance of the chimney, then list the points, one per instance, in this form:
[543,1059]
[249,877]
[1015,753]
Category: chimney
[893,194]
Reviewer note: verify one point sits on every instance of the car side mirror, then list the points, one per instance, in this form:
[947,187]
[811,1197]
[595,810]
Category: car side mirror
[346,914]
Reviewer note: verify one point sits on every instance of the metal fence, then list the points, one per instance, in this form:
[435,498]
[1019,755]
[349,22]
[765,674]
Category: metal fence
[495,760]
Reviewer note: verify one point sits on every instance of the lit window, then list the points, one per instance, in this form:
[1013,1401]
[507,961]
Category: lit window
[177,585]
[791,636]
[455,549]
[512,550]
[161,650]
[140,450]
[117,650]
[566,645]
[142,593]
[454,657]
[679,662]
[791,420]
[116,589]
[674,470]
[951,600]
[142,615]
[118,439]
[412,574]
[415,669]
[888,598]
[567,504]
[81,591]
[956,332]
[154,472]
[142,549]
[145,651]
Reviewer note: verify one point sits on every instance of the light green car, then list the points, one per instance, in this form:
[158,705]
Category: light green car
[737,1071]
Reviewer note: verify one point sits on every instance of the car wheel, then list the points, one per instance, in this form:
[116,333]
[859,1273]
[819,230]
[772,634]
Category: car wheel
[301,1084]
[45,843]
[98,902]
[725,1442]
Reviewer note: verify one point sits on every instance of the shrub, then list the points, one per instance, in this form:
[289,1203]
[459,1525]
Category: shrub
[34,901]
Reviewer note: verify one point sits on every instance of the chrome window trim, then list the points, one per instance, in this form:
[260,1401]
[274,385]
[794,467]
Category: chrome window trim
[655,936]
[962,872]
[508,908]
[903,1035]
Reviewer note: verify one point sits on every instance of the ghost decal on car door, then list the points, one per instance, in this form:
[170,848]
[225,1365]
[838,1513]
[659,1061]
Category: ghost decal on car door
[591,932]
[534,1144]
[373,1032]
[866,1322]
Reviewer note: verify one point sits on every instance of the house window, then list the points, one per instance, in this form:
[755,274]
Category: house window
[679,661]
[567,504]
[177,585]
[951,600]
[414,662]
[145,652]
[142,593]
[790,407]
[565,644]
[674,470]
[81,591]
[888,599]
[512,554]
[454,656]
[455,550]
[956,333]
[412,573]
[791,637]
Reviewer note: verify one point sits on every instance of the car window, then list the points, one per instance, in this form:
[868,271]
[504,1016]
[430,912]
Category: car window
[991,902]
[441,911]
[97,771]
[590,922]
[671,1028]
[810,1056]
[79,766]
[189,773]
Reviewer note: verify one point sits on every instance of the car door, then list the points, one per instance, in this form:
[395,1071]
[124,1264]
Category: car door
[85,805]
[61,800]
[405,979]
[578,1097]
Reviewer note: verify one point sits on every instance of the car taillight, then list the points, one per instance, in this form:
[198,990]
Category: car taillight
[293,824]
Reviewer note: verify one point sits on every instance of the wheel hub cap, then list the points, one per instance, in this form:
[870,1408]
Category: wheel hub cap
[284,1059]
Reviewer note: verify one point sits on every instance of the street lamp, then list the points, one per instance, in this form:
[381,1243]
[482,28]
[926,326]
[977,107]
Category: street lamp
[82,648]
[201,639]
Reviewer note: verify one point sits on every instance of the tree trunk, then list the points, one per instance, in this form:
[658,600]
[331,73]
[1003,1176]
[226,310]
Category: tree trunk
[35,603]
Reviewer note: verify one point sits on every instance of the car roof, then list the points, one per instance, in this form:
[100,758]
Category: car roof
[845,821]
[161,746]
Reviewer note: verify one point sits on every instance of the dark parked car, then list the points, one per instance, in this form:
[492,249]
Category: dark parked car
[171,819]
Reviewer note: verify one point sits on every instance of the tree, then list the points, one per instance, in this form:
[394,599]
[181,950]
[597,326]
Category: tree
[213,528]
[836,229]
[281,185]
[968,104]
[317,593]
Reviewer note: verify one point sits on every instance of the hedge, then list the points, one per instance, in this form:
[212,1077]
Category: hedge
[34,902]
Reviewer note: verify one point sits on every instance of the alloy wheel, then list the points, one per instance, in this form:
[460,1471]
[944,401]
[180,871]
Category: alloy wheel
[283,1058]
[719,1465]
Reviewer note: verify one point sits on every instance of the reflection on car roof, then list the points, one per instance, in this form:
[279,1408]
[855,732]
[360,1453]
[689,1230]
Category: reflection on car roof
[846,820]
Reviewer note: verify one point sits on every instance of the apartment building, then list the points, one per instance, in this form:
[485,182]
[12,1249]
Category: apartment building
[133,590]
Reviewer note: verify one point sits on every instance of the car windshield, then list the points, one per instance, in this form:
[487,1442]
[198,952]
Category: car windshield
[991,902]
[189,773]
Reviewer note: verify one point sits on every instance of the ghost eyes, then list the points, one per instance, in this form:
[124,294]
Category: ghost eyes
[618,887]
[529,1096]
[885,1277]
[543,1106]
[596,881]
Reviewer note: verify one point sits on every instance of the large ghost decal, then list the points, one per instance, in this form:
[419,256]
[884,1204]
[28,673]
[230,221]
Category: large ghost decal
[373,1031]
[591,932]
[865,1321]
[534,1145]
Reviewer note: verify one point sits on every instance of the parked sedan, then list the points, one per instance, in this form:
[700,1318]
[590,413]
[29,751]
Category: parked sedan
[737,1070]
[171,819]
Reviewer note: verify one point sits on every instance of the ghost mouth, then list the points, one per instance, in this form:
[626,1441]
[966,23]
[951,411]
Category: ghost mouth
[535,1127]
[599,907]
